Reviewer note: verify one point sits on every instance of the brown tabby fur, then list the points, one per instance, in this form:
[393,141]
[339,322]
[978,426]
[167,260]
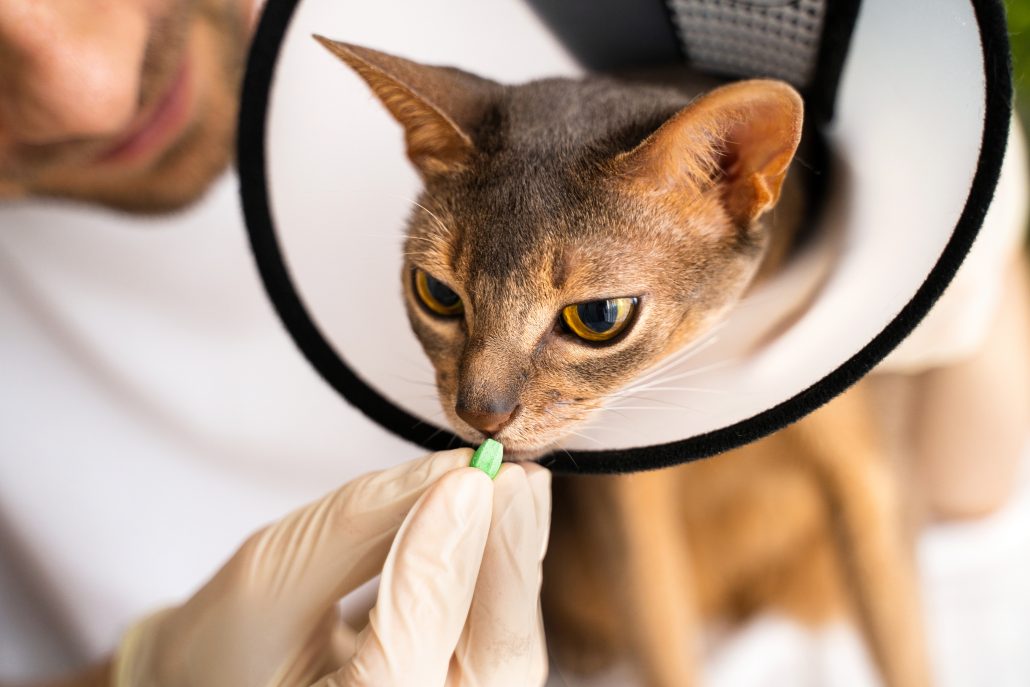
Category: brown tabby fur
[562,191]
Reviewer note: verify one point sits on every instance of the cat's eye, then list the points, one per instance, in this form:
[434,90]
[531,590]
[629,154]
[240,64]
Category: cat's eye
[437,296]
[599,320]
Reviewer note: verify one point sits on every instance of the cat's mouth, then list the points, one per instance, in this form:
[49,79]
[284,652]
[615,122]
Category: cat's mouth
[523,441]
[525,455]
[519,451]
[515,451]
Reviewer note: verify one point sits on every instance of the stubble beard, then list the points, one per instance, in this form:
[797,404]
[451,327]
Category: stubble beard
[184,172]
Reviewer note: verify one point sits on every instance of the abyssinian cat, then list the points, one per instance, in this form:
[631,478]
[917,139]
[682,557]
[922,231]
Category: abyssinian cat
[570,235]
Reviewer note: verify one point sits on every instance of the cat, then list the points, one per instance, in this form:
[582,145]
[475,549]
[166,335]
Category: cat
[570,235]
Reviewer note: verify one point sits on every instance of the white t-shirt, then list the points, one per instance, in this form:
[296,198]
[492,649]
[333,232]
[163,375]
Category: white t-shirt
[153,412]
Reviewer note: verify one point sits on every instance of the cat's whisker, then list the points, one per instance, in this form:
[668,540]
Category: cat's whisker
[643,408]
[613,410]
[693,372]
[598,408]
[654,384]
[421,249]
[653,408]
[584,436]
[570,456]
[587,408]
[705,342]
[697,389]
[437,414]
[656,400]
[709,339]
[423,382]
[687,373]
[434,199]
[408,358]
[439,222]
[601,428]
[432,417]
[400,238]
[431,391]
[428,239]
[412,201]
[666,365]
[551,414]
[436,417]
[443,427]
[425,385]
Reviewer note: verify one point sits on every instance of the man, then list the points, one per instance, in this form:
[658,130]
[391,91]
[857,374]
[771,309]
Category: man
[129,104]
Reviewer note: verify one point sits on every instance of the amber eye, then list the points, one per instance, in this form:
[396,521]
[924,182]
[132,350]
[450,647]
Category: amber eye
[599,320]
[436,295]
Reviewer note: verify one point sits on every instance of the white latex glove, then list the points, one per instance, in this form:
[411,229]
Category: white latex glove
[458,600]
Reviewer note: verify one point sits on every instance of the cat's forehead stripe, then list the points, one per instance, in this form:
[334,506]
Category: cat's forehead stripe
[553,115]
[560,267]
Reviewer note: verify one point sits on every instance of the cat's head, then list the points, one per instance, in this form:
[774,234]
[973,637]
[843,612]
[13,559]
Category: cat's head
[572,233]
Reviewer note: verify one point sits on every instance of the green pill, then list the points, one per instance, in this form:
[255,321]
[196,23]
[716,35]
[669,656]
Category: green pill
[488,457]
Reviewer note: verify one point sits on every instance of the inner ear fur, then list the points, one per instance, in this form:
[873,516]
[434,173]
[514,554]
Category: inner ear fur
[437,106]
[741,136]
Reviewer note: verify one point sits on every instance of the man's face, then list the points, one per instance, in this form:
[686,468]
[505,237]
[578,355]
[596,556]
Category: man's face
[127,103]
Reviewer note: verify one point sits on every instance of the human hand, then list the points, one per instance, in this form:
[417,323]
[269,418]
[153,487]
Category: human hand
[458,601]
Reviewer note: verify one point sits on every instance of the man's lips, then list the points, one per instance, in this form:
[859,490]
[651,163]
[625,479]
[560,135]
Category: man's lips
[155,128]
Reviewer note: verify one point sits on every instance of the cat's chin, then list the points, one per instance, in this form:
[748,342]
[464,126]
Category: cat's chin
[525,455]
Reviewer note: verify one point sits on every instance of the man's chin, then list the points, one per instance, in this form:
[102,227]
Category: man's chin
[185,169]
[145,202]
[173,182]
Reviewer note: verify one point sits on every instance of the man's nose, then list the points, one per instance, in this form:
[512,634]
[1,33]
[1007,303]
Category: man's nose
[69,70]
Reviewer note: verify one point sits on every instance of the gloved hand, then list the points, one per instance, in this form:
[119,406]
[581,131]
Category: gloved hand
[458,600]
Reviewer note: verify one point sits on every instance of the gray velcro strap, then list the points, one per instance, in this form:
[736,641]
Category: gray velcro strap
[775,38]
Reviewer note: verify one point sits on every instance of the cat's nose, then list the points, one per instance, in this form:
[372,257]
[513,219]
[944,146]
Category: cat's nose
[488,420]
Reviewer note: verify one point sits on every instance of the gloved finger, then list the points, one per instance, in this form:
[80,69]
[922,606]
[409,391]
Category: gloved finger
[343,642]
[426,587]
[297,568]
[309,659]
[501,641]
[540,482]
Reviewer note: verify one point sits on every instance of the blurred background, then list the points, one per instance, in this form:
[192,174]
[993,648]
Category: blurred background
[1019,36]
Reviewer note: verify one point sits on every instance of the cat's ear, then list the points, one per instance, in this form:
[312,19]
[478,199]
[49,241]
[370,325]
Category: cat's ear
[437,106]
[741,137]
